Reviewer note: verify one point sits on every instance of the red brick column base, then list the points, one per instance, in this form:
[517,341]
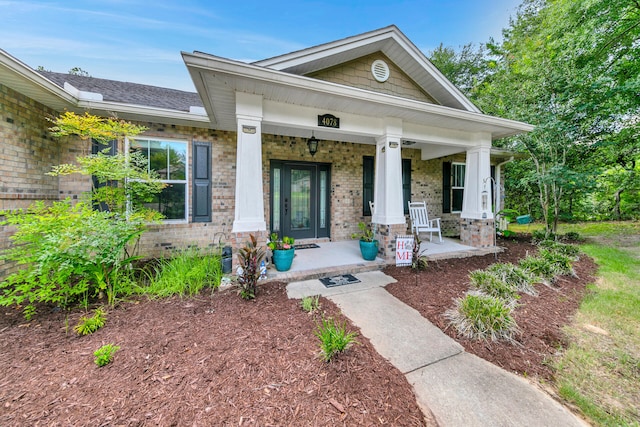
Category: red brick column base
[386,236]
[478,233]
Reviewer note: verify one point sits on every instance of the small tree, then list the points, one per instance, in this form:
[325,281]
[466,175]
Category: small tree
[69,252]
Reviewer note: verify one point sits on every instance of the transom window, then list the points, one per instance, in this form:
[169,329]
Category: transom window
[168,158]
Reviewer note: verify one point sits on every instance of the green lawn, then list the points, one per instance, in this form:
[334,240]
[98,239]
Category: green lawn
[599,372]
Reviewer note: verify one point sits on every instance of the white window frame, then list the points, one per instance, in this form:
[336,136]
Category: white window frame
[185,181]
[454,166]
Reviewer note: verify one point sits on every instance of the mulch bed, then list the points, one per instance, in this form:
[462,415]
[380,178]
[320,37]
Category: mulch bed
[219,360]
[540,318]
[211,360]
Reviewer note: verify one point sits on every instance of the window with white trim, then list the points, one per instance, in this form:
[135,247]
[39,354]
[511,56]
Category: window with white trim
[457,186]
[168,158]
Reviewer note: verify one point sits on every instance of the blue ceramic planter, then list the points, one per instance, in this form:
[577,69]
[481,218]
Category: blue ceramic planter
[282,258]
[369,250]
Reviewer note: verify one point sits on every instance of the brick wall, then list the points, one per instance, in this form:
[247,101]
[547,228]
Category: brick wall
[28,152]
[357,73]
[161,238]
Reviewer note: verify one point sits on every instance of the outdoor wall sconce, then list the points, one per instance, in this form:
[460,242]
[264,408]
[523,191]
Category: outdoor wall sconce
[393,144]
[312,143]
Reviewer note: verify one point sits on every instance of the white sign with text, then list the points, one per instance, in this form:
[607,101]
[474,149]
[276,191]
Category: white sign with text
[404,250]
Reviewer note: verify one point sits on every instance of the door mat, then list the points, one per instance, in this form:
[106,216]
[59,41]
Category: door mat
[345,279]
[306,246]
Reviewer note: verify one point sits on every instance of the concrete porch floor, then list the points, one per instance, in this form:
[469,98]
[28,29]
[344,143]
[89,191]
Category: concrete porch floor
[335,258]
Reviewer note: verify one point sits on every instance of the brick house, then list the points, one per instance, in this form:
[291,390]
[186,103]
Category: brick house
[389,127]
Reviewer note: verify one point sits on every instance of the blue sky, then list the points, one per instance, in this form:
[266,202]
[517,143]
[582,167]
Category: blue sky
[141,40]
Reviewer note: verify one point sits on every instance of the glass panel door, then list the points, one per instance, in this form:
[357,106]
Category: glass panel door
[299,201]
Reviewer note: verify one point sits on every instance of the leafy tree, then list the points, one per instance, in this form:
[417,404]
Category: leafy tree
[124,183]
[466,68]
[572,69]
[79,72]
[70,252]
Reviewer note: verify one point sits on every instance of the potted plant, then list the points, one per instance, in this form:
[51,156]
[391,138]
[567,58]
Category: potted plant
[368,245]
[283,251]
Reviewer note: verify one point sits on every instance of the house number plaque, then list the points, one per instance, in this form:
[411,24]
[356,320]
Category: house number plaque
[328,121]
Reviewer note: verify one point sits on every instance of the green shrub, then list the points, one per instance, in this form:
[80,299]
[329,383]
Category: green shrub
[541,235]
[541,269]
[250,257]
[186,273]
[88,325]
[478,316]
[572,236]
[521,279]
[492,284]
[334,339]
[310,304]
[562,264]
[104,355]
[66,253]
[572,251]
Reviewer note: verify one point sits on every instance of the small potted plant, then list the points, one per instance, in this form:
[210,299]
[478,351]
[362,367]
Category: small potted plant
[368,245]
[283,251]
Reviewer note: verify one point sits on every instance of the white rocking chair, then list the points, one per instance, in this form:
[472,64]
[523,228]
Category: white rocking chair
[420,221]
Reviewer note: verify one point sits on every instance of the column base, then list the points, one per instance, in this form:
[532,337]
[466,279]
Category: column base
[479,233]
[386,236]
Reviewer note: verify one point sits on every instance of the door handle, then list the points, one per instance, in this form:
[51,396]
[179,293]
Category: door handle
[286,206]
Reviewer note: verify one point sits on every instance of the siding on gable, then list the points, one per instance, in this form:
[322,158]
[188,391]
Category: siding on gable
[357,73]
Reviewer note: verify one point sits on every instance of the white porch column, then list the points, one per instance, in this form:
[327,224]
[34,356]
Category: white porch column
[249,201]
[388,176]
[476,179]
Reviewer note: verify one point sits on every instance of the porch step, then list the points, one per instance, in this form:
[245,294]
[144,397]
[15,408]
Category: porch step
[317,273]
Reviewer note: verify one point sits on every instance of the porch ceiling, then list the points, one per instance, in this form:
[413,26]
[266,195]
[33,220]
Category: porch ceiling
[218,79]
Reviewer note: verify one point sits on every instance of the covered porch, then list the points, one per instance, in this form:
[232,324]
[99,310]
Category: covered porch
[343,257]
[334,98]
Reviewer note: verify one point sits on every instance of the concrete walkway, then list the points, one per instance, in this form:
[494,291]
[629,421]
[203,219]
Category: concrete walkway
[458,388]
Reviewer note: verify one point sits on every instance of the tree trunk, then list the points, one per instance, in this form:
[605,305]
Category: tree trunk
[616,207]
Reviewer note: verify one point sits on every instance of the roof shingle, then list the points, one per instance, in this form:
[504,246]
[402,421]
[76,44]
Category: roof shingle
[129,93]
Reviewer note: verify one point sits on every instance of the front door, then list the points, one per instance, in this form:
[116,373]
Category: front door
[300,199]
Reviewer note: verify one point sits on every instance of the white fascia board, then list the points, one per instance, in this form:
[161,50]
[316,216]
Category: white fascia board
[421,58]
[32,77]
[321,51]
[205,62]
[278,113]
[201,88]
[437,151]
[437,135]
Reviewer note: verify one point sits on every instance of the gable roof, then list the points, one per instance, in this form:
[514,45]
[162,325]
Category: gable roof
[392,43]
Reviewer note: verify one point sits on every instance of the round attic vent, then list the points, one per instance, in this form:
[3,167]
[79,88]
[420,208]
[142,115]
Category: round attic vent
[380,70]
